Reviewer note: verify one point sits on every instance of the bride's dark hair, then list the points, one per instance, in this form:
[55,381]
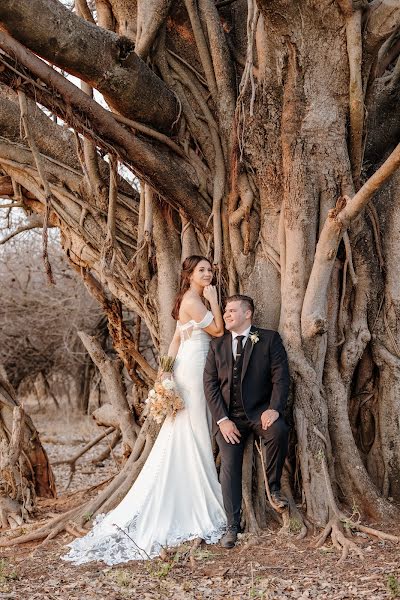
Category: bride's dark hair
[188,266]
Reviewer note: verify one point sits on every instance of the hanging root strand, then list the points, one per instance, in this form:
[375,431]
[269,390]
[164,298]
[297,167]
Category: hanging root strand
[278,509]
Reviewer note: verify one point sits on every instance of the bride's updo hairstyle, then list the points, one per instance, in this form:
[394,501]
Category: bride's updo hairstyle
[189,265]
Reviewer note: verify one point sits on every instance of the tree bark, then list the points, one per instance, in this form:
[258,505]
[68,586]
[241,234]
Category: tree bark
[112,380]
[25,468]
[99,57]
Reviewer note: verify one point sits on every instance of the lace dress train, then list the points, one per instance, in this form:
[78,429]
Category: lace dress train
[177,496]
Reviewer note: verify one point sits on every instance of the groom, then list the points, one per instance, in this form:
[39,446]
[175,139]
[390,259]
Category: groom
[246,383]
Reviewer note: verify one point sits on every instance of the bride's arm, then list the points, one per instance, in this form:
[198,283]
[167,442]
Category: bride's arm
[194,309]
[216,328]
[167,361]
[174,345]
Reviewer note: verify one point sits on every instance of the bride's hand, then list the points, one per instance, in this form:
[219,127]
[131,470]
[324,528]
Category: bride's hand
[210,293]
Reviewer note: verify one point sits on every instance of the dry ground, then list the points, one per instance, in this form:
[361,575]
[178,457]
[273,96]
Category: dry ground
[269,567]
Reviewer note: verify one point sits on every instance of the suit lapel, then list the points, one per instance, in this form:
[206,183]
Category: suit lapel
[248,349]
[228,357]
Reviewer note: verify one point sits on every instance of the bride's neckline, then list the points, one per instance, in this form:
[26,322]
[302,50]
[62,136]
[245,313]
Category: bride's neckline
[192,321]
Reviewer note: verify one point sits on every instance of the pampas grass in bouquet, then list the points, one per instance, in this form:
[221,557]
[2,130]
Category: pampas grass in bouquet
[164,399]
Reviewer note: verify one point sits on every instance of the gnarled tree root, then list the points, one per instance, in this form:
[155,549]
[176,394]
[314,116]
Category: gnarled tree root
[335,529]
[74,520]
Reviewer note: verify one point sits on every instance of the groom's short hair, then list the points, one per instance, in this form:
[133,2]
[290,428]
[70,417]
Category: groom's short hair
[245,300]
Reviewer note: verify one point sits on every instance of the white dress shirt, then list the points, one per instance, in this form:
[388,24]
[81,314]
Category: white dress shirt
[245,335]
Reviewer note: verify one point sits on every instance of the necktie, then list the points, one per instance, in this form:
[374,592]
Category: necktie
[239,347]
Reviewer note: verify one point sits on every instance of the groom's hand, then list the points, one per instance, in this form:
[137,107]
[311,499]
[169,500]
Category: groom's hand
[230,432]
[268,417]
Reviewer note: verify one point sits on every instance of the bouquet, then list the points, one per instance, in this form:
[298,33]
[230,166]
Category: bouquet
[164,399]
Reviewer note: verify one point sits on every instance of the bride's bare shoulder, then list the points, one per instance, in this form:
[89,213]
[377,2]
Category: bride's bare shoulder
[191,307]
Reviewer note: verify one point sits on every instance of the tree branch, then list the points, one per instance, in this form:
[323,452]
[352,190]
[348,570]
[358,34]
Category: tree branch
[313,319]
[222,67]
[389,51]
[112,380]
[56,145]
[122,343]
[53,140]
[151,133]
[33,225]
[99,57]
[219,165]
[177,184]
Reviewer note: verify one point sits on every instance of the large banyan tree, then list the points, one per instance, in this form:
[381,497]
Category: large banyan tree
[264,134]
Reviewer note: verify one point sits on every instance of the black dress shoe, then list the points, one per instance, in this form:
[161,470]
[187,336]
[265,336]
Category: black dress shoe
[229,538]
[278,499]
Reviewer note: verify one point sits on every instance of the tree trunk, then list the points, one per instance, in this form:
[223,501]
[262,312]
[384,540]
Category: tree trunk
[112,380]
[268,156]
[25,471]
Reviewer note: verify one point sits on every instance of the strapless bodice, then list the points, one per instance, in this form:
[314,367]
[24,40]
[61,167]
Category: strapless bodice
[195,329]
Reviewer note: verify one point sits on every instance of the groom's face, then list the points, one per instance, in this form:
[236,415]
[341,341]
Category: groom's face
[236,316]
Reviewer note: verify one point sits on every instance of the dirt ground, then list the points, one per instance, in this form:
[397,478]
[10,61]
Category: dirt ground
[270,567]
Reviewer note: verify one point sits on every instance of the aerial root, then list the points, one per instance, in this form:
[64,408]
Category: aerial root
[335,526]
[342,543]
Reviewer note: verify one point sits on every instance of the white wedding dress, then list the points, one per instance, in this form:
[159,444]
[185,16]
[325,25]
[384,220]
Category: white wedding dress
[177,496]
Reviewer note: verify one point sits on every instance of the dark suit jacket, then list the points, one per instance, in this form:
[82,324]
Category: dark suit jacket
[265,375]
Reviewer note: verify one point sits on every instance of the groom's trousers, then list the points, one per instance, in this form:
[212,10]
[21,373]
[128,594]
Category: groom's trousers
[275,439]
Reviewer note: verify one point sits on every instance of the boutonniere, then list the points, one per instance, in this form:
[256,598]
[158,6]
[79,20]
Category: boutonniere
[254,336]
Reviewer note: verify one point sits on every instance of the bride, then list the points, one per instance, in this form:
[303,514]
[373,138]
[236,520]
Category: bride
[177,496]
